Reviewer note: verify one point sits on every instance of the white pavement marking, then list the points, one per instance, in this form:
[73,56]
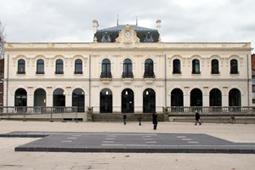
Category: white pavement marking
[72,138]
[181,137]
[193,142]
[108,141]
[151,142]
[66,141]
[110,138]
[186,139]
[148,139]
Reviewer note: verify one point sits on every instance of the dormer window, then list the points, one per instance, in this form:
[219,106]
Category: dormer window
[148,37]
[106,37]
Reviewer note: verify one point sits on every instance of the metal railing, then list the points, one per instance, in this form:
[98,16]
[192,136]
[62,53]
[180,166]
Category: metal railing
[212,110]
[36,110]
[47,113]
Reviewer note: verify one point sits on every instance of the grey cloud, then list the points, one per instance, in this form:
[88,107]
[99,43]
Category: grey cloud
[182,20]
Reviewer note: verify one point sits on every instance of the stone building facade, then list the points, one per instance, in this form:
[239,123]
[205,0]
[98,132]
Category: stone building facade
[128,69]
[1,81]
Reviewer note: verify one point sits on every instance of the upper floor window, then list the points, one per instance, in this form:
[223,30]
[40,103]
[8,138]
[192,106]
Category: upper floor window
[106,69]
[176,66]
[148,37]
[127,69]
[59,67]
[233,66]
[40,66]
[195,66]
[253,88]
[21,66]
[106,38]
[215,66]
[78,67]
[148,69]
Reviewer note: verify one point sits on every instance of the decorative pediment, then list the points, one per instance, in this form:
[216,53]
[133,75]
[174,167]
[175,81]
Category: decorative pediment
[127,36]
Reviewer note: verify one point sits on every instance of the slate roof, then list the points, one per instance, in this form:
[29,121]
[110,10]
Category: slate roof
[142,33]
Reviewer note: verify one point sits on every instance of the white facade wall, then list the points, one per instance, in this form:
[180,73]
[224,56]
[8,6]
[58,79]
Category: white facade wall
[164,82]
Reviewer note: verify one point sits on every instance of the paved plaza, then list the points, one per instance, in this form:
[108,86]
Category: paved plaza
[60,134]
[129,142]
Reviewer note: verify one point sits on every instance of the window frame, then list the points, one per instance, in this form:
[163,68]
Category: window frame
[234,66]
[176,69]
[41,65]
[215,66]
[61,65]
[78,66]
[196,66]
[20,66]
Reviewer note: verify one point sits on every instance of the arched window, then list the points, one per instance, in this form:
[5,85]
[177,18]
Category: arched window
[78,67]
[59,67]
[176,66]
[127,69]
[234,100]
[21,66]
[195,66]
[39,98]
[233,66]
[196,97]
[149,101]
[21,100]
[20,97]
[127,101]
[40,66]
[78,99]
[215,97]
[148,69]
[106,101]
[59,100]
[106,69]
[215,66]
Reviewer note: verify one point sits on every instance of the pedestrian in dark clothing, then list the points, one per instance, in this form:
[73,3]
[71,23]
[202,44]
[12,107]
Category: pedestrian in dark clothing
[154,120]
[197,118]
[125,119]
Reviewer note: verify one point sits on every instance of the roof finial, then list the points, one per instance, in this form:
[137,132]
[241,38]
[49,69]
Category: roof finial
[136,21]
[117,19]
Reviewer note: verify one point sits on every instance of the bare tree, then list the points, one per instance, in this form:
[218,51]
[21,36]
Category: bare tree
[2,40]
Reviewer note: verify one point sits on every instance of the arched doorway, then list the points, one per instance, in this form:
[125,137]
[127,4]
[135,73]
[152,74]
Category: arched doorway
[21,99]
[106,101]
[215,99]
[176,100]
[149,101]
[196,97]
[234,99]
[59,100]
[78,99]
[39,100]
[127,101]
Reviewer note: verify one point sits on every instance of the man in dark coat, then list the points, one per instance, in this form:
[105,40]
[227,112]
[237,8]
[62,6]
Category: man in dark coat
[125,119]
[197,118]
[154,120]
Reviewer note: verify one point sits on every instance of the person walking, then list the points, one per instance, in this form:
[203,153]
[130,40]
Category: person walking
[197,118]
[125,119]
[154,120]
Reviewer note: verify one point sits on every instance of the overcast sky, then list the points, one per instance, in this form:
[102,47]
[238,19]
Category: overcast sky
[182,20]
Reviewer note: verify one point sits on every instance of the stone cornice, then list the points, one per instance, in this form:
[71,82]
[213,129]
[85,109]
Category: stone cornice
[157,47]
[135,79]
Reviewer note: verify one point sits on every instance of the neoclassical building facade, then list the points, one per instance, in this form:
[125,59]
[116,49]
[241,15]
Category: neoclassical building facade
[127,69]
